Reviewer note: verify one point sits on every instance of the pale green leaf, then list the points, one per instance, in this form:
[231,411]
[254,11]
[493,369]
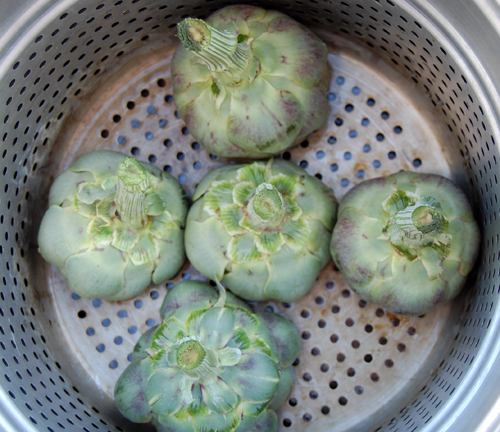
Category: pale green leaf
[255,173]
[145,250]
[163,391]
[106,209]
[217,395]
[293,209]
[242,193]
[125,238]
[161,225]
[92,192]
[269,242]
[296,233]
[286,185]
[156,204]
[101,232]
[242,248]
[231,216]
[219,195]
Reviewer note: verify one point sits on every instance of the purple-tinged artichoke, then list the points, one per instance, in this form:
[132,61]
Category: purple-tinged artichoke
[262,229]
[250,82]
[406,241]
[114,226]
[212,365]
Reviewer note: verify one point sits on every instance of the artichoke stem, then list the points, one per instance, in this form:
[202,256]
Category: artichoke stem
[419,219]
[190,355]
[130,193]
[218,50]
[268,203]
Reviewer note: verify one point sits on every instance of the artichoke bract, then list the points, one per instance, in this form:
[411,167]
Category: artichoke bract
[263,229]
[114,226]
[249,82]
[406,241]
[212,365]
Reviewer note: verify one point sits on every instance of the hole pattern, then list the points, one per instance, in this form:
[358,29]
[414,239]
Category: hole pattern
[57,69]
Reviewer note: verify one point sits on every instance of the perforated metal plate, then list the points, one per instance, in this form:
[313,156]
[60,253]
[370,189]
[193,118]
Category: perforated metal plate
[92,75]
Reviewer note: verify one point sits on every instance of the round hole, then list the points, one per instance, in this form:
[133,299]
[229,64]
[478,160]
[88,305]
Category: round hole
[324,367]
[169,98]
[144,93]
[401,347]
[395,322]
[82,314]
[185,130]
[307,377]
[335,309]
[106,322]
[349,107]
[389,363]
[374,377]
[333,385]
[135,124]
[379,312]
[411,331]
[319,300]
[135,151]
[149,136]
[334,167]
[355,344]
[315,351]
[383,340]
[325,410]
[365,122]
[332,97]
[368,328]
[351,372]
[130,105]
[368,358]
[343,400]
[90,331]
[113,364]
[340,357]
[380,137]
[377,163]
[305,313]
[306,335]
[332,140]
[151,110]
[359,390]
[339,121]
[398,129]
[121,140]
[117,118]
[417,162]
[287,422]
[307,417]
[349,322]
[163,123]
[292,402]
[384,115]
[334,338]
[391,155]
[321,323]
[313,394]
[346,293]
[356,91]
[370,102]
[105,133]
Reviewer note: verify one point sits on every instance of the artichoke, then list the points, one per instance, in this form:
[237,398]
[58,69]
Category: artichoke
[406,241]
[263,229]
[211,366]
[113,226]
[249,82]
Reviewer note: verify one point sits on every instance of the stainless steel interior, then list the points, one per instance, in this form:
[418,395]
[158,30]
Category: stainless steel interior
[414,86]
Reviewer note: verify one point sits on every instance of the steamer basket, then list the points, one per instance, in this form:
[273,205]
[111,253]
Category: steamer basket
[414,87]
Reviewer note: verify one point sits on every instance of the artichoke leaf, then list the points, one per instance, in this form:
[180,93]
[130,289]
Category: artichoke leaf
[87,210]
[243,192]
[96,272]
[106,209]
[269,242]
[229,356]
[92,192]
[242,248]
[125,238]
[146,250]
[129,391]
[216,327]
[284,389]
[255,378]
[240,340]
[102,164]
[136,280]
[216,422]
[219,195]
[231,216]
[171,256]
[66,186]
[286,184]
[101,232]
[160,226]
[293,209]
[255,174]
[163,391]
[296,233]
[62,233]
[156,204]
[217,395]
[248,279]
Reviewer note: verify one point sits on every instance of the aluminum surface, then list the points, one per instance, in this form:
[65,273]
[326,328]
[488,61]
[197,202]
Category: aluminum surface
[429,65]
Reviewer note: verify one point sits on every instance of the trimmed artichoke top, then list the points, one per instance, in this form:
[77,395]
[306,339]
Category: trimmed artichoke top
[249,82]
[406,241]
[114,225]
[212,365]
[263,229]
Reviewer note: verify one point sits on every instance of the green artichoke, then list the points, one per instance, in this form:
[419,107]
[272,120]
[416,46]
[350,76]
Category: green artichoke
[211,366]
[114,225]
[406,241]
[249,82]
[263,229]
